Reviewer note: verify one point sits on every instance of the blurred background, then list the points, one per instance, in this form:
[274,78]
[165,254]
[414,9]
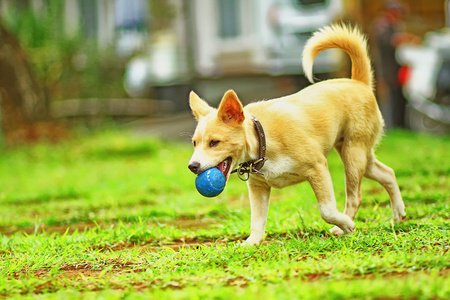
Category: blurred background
[85,63]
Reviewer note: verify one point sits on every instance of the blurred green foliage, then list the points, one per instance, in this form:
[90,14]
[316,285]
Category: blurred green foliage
[67,66]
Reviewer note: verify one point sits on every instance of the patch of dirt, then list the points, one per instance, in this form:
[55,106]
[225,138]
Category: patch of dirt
[79,274]
[154,245]
[395,274]
[83,273]
[192,224]
[61,229]
[183,223]
[404,274]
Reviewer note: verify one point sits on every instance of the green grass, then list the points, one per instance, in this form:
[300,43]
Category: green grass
[116,216]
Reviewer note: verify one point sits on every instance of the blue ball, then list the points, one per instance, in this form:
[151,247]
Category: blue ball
[210,183]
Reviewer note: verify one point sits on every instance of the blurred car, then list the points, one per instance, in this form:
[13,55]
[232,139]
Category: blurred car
[425,77]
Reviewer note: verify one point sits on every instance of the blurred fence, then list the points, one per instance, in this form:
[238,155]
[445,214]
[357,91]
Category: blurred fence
[110,108]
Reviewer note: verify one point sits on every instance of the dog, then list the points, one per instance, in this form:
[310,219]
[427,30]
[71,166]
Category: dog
[297,132]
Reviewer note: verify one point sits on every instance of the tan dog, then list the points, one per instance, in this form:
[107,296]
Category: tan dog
[300,130]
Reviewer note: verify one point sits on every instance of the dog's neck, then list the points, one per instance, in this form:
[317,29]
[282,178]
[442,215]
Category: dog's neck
[252,140]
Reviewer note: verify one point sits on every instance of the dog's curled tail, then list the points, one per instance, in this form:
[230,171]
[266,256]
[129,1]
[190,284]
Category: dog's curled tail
[341,36]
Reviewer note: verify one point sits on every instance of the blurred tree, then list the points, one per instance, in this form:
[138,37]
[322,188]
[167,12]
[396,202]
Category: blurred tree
[22,99]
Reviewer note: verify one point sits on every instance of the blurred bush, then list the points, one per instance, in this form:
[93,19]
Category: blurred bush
[68,66]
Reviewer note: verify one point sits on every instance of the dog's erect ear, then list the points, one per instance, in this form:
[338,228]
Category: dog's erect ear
[198,106]
[231,111]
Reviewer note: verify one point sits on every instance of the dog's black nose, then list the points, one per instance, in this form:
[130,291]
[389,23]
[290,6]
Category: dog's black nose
[194,167]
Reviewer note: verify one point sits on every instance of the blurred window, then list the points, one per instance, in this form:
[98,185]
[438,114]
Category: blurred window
[229,21]
[309,3]
[131,15]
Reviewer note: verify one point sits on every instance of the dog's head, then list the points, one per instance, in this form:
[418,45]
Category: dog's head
[219,139]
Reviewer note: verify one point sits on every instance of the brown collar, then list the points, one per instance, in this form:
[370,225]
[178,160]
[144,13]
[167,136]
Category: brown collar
[255,165]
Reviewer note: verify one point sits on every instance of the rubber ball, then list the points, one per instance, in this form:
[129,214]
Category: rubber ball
[210,183]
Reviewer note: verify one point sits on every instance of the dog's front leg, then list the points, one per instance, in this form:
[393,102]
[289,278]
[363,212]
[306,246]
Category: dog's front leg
[259,203]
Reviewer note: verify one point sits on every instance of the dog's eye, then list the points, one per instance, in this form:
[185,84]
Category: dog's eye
[194,143]
[213,143]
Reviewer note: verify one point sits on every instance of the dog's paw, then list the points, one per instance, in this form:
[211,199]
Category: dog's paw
[399,219]
[336,231]
[399,215]
[245,244]
[252,241]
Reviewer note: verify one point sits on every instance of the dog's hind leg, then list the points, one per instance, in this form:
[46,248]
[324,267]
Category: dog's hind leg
[354,158]
[259,204]
[322,185]
[386,177]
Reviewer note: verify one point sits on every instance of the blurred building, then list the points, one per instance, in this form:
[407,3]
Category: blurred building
[215,37]
[267,36]
[180,43]
[233,40]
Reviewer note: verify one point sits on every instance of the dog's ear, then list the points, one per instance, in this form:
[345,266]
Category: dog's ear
[198,106]
[231,111]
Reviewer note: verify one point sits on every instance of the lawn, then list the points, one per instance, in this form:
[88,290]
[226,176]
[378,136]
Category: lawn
[114,216]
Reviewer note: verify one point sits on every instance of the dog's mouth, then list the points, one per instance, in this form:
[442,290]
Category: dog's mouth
[225,166]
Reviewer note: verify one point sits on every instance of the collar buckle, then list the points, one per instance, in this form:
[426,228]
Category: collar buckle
[249,167]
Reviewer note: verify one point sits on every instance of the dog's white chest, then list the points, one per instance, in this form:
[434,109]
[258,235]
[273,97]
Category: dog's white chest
[281,173]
